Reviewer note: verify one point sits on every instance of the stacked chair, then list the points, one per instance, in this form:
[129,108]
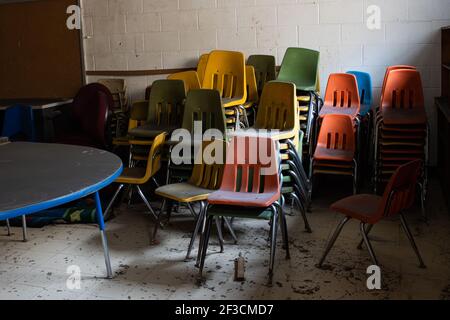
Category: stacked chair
[301,67]
[335,152]
[250,189]
[401,126]
[278,118]
[189,78]
[225,72]
[265,69]
[201,67]
[252,96]
[119,111]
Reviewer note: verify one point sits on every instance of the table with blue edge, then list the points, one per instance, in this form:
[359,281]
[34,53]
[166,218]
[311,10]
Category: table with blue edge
[38,176]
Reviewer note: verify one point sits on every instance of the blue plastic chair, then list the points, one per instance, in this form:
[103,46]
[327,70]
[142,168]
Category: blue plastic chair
[18,123]
[365,91]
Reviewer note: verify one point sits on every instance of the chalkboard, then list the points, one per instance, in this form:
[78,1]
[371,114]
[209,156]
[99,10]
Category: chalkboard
[40,57]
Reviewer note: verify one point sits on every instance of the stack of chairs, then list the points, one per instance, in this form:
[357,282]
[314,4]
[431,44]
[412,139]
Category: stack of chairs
[278,118]
[401,127]
[337,145]
[120,110]
[189,78]
[301,67]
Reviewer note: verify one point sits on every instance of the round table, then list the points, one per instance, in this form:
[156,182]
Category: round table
[38,176]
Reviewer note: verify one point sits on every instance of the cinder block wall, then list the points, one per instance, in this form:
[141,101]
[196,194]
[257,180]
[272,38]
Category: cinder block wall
[164,34]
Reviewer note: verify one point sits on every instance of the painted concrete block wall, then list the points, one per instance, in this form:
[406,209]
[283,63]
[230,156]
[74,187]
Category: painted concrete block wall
[155,34]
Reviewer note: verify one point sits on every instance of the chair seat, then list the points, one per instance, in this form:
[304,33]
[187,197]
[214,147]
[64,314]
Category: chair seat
[363,207]
[353,112]
[404,116]
[333,154]
[149,131]
[131,176]
[233,102]
[240,212]
[246,199]
[183,192]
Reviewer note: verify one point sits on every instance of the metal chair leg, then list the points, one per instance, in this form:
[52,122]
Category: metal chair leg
[411,240]
[203,223]
[101,224]
[141,194]
[205,245]
[368,245]
[198,223]
[230,229]
[24,229]
[111,203]
[8,227]
[219,233]
[273,243]
[368,229]
[333,239]
[284,229]
[302,211]
[158,222]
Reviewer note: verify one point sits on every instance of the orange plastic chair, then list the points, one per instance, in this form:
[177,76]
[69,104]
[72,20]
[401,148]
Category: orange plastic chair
[250,188]
[336,149]
[370,209]
[388,71]
[341,96]
[403,101]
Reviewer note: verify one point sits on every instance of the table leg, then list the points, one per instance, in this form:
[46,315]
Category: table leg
[101,223]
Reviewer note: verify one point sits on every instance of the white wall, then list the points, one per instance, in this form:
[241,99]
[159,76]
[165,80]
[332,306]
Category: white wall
[155,34]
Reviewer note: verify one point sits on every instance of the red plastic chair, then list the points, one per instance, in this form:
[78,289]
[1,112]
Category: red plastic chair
[341,96]
[250,188]
[370,209]
[336,148]
[403,99]
[388,71]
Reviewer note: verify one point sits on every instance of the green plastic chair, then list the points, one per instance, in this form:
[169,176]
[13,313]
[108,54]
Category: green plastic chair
[300,66]
[165,109]
[265,69]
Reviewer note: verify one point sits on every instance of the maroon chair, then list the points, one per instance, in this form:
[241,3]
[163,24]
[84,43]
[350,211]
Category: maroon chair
[88,118]
[370,209]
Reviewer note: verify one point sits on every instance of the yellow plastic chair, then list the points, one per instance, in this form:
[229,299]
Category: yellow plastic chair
[134,177]
[189,78]
[225,72]
[205,179]
[201,67]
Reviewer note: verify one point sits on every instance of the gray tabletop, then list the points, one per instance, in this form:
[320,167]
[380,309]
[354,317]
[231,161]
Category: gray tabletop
[35,176]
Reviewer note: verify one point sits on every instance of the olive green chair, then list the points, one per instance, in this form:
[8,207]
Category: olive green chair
[165,109]
[265,69]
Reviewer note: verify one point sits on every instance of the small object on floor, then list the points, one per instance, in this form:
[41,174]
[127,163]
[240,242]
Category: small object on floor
[4,140]
[239,268]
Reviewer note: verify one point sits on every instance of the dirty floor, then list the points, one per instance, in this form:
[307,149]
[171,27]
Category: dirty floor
[38,269]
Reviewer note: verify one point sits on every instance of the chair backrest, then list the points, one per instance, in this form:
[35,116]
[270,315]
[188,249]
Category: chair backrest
[336,133]
[189,78]
[278,107]
[206,106]
[206,174]
[138,114]
[166,103]
[154,156]
[400,192]
[300,66]
[342,92]
[225,72]
[403,90]
[365,87]
[252,89]
[118,89]
[201,66]
[18,123]
[388,71]
[252,166]
[265,69]
[90,109]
